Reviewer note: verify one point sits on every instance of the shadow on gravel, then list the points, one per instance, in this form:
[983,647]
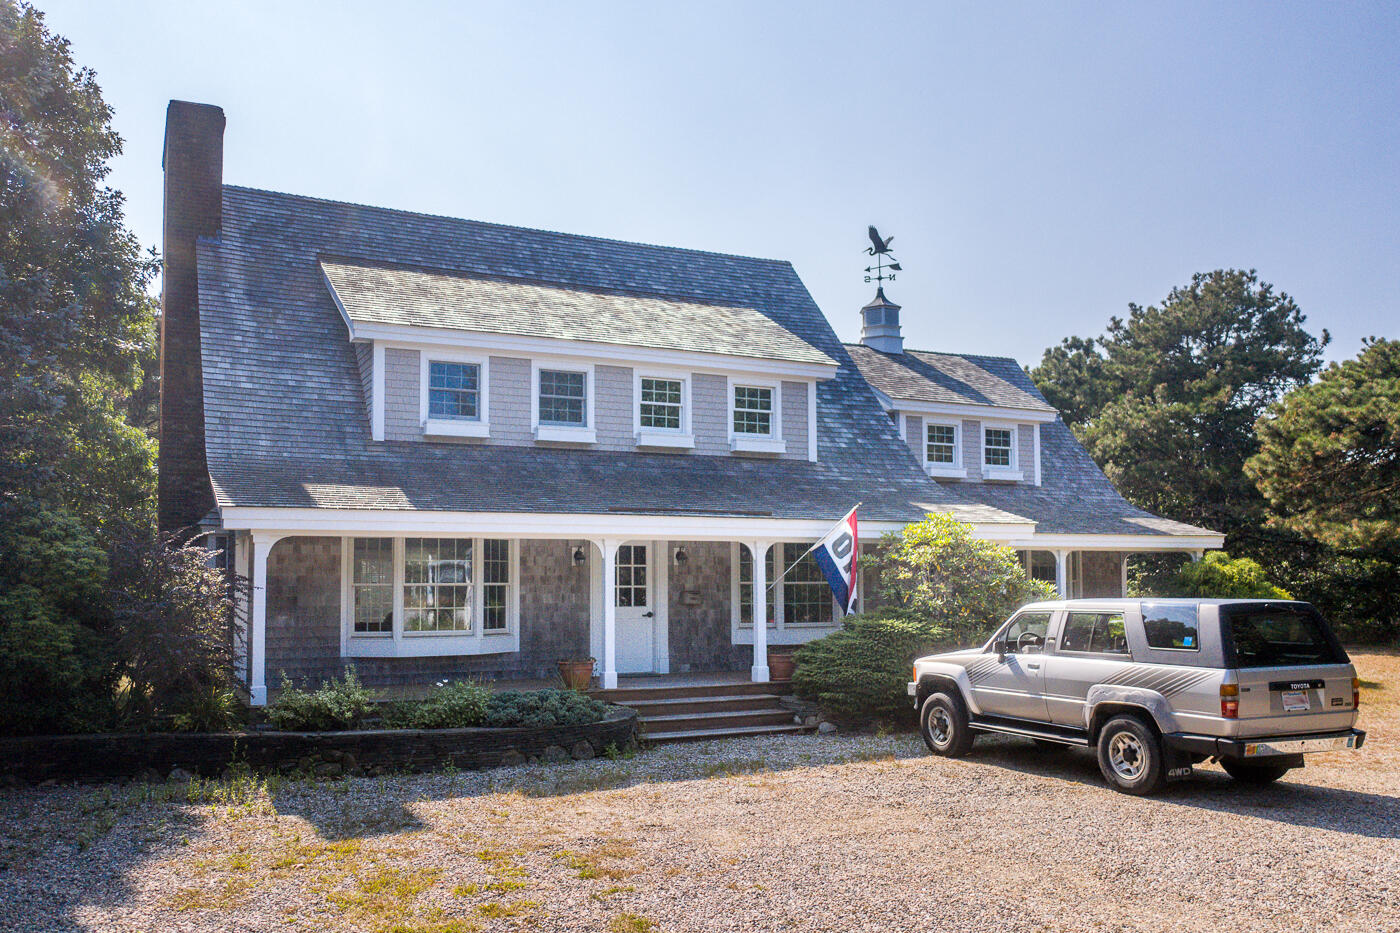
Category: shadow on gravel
[1291,800]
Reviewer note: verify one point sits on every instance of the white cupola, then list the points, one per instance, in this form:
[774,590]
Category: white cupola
[879,325]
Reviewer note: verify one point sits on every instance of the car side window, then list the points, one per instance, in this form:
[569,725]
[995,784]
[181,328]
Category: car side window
[1171,627]
[1095,633]
[1027,630]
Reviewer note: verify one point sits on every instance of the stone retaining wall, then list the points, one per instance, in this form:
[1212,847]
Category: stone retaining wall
[120,757]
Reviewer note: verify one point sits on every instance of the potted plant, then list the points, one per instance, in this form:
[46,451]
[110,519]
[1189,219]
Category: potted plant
[781,663]
[577,673]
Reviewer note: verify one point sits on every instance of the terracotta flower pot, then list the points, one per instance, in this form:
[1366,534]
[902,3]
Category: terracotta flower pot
[781,665]
[577,675]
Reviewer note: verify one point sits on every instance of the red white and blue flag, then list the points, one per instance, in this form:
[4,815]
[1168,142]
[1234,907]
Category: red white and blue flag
[836,554]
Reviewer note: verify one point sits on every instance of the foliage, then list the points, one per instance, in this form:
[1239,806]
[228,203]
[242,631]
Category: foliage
[543,708]
[861,671]
[449,705]
[1329,454]
[1217,575]
[938,571]
[1166,401]
[208,709]
[335,705]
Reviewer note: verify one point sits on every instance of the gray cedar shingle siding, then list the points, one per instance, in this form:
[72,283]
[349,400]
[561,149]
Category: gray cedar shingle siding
[914,436]
[795,420]
[390,294]
[709,418]
[287,424]
[509,400]
[403,381]
[612,404]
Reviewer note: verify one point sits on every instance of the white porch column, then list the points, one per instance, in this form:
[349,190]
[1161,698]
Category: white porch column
[1197,555]
[242,544]
[759,671]
[1062,573]
[261,545]
[608,677]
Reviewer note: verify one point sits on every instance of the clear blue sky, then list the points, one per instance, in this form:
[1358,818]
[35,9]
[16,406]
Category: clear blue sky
[1039,165]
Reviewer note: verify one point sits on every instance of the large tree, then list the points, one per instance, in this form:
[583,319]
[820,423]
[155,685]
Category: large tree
[1166,400]
[1329,455]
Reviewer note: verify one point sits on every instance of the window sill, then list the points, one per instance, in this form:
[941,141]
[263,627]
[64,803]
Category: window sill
[787,635]
[665,439]
[757,444]
[447,428]
[945,472]
[429,645]
[565,435]
[1003,475]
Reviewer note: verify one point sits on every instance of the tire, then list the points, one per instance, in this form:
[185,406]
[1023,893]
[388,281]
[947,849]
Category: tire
[1252,773]
[1131,757]
[943,724]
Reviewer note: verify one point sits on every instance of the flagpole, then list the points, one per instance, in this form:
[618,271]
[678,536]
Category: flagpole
[779,577]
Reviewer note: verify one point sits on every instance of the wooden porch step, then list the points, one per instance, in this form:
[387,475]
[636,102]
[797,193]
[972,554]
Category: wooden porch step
[721,720]
[672,706]
[699,735]
[625,695]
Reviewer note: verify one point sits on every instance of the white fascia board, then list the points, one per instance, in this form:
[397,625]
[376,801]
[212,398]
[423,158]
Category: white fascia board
[344,315]
[981,412]
[1047,542]
[608,353]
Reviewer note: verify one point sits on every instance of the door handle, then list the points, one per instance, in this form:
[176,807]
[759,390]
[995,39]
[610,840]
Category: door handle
[648,614]
[1033,667]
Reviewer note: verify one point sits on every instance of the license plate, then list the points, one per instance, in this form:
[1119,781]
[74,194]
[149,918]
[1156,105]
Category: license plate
[1295,701]
[1295,746]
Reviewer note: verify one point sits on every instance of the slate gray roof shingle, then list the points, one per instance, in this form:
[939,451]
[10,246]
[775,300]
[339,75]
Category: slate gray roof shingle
[1074,496]
[286,423]
[383,293]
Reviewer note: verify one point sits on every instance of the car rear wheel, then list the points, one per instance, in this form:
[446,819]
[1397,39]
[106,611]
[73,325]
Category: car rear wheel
[1130,756]
[943,723]
[1252,773]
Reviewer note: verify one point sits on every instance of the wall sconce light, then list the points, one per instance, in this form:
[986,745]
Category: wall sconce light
[580,558]
[681,556]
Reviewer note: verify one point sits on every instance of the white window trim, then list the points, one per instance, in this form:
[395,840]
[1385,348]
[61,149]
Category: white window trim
[1012,472]
[562,433]
[781,633]
[453,427]
[954,470]
[402,644]
[682,438]
[771,443]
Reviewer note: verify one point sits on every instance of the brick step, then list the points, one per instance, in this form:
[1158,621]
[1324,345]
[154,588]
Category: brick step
[699,735]
[677,705]
[624,695]
[719,720]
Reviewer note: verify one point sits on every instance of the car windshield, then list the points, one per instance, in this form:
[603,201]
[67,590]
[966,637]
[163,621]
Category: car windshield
[1279,636]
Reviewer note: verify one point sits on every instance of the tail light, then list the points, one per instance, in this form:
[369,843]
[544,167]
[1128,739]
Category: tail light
[1230,701]
[1355,692]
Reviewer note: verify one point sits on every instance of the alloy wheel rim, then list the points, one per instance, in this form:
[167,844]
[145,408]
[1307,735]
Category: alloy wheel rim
[1125,754]
[940,727]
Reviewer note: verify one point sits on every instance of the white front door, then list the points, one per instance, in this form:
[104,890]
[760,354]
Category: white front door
[636,587]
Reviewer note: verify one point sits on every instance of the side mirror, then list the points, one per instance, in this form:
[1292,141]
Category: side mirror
[1002,649]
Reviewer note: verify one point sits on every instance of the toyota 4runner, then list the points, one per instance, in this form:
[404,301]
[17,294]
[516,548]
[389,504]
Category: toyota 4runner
[1156,686]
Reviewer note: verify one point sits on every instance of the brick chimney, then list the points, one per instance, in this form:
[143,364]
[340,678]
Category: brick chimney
[194,178]
[879,325]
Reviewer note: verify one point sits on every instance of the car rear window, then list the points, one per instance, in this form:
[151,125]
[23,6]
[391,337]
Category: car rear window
[1172,626]
[1278,636]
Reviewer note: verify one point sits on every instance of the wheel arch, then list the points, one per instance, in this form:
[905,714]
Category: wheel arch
[944,677]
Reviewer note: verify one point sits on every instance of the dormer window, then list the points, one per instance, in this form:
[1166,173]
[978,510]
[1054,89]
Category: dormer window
[753,410]
[661,401]
[454,391]
[942,447]
[755,417]
[999,451]
[563,398]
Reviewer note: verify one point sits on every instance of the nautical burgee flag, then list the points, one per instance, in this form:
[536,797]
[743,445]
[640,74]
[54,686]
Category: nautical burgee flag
[836,555]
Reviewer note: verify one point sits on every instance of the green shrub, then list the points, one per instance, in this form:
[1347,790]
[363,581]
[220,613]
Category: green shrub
[861,671]
[543,708]
[212,709]
[450,705]
[337,704]
[1217,575]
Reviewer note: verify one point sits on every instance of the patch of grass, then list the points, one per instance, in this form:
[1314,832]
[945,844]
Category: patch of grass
[498,911]
[732,766]
[434,926]
[304,856]
[631,923]
[610,891]
[229,893]
[589,867]
[384,897]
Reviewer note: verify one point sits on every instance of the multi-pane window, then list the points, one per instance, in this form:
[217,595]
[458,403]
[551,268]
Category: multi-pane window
[942,444]
[997,447]
[563,398]
[661,404]
[437,585]
[495,584]
[746,585]
[806,594]
[753,410]
[372,585]
[454,391]
[632,575]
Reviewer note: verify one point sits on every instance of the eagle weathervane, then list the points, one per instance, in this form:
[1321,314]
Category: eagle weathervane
[885,264]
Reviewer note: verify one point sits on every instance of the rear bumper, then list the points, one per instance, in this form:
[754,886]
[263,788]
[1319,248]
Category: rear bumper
[1264,746]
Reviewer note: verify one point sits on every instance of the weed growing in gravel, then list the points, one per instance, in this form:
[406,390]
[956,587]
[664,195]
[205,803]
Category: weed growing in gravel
[631,923]
[729,767]
[501,911]
[609,892]
[229,893]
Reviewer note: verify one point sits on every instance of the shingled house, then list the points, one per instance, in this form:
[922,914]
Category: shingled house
[439,447]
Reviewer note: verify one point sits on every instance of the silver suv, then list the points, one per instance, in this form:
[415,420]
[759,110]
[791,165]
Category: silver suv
[1155,685]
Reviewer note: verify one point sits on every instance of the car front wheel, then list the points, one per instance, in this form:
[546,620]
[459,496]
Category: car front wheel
[943,722]
[1130,756]
[1252,773]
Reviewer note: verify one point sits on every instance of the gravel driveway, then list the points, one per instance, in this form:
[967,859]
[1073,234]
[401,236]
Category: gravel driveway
[844,832]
